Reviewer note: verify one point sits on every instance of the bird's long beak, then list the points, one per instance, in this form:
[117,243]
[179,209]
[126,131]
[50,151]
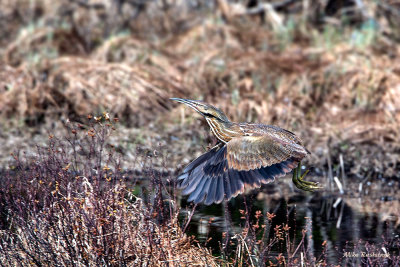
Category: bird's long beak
[194,104]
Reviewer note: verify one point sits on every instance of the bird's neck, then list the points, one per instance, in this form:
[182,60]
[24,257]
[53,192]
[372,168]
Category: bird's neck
[223,130]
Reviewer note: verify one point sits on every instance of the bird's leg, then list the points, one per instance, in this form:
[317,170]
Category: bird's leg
[298,180]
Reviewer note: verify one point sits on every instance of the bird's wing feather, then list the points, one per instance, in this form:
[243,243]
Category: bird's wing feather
[224,172]
[254,152]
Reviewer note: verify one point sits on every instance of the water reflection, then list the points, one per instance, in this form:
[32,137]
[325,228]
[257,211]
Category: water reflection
[341,221]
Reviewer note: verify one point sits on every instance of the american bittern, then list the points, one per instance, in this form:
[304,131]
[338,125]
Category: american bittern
[246,156]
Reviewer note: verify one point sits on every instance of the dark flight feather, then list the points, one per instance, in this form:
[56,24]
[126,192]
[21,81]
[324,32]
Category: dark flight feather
[208,178]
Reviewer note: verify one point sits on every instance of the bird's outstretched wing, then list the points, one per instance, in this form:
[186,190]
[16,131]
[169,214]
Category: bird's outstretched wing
[254,152]
[248,161]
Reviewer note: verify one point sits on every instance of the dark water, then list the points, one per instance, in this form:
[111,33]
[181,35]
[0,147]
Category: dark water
[344,223]
[339,220]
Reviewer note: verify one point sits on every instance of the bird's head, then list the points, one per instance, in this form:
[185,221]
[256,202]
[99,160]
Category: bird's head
[206,110]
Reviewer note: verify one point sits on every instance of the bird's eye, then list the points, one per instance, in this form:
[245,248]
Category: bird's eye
[210,115]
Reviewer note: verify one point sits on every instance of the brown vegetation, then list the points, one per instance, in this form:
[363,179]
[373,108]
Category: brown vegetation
[336,86]
[328,72]
[71,205]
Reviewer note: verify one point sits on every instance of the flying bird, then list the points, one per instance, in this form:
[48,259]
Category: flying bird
[246,156]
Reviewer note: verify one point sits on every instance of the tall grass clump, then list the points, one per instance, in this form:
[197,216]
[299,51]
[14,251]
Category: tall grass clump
[69,204]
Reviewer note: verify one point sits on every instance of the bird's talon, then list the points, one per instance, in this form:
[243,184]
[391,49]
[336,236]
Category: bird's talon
[301,178]
[298,180]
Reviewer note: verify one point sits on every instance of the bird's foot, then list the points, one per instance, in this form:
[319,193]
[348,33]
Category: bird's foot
[298,180]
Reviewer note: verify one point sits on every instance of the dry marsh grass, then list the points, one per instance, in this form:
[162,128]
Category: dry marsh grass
[334,80]
[71,205]
[335,84]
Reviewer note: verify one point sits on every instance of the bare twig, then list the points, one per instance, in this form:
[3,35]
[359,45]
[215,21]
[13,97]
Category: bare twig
[189,219]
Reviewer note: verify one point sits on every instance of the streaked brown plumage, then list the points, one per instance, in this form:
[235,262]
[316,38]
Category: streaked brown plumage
[246,156]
